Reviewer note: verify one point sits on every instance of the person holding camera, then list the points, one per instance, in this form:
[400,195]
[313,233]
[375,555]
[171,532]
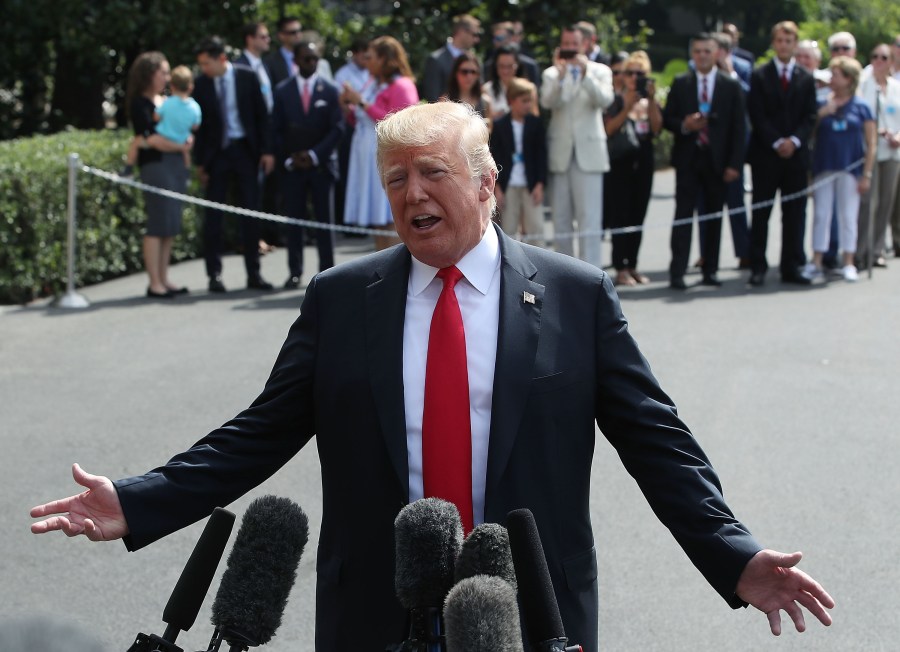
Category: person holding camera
[706,113]
[577,91]
[632,121]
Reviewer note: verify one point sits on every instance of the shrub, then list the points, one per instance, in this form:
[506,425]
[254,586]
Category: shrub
[33,192]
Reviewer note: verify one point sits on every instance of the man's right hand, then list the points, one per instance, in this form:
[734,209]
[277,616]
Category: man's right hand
[95,513]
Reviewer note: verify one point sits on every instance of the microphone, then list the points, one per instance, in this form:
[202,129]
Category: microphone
[486,552]
[187,596]
[481,615]
[261,571]
[428,536]
[541,617]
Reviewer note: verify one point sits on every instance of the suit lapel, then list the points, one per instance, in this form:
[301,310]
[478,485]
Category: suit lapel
[385,314]
[517,339]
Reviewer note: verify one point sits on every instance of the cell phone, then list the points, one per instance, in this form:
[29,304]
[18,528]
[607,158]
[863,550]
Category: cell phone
[641,85]
[568,54]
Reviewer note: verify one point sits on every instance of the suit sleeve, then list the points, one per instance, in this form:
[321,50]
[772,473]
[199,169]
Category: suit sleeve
[673,113]
[233,459]
[330,141]
[431,79]
[808,113]
[766,133]
[738,129]
[661,454]
[598,84]
[260,114]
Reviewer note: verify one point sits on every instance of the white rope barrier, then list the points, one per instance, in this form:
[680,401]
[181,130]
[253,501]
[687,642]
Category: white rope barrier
[282,219]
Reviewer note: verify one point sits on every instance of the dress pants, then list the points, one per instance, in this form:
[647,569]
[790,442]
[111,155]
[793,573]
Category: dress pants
[577,198]
[770,175]
[627,188]
[315,184]
[234,163]
[740,232]
[882,192]
[691,179]
[520,211]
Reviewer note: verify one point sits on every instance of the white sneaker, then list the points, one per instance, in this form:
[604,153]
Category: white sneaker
[850,274]
[811,272]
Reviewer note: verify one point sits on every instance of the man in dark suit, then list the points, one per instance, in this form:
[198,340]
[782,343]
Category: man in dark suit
[705,111]
[782,107]
[232,144]
[280,62]
[308,123]
[465,35]
[547,355]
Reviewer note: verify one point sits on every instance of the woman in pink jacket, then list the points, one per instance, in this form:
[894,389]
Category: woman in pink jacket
[391,87]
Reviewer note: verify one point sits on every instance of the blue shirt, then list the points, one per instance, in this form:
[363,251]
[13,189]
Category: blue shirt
[177,118]
[840,139]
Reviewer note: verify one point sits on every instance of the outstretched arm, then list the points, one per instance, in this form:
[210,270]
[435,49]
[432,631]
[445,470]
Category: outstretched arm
[770,582]
[95,513]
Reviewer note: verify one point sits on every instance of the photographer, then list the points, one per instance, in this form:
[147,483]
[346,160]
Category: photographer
[632,121]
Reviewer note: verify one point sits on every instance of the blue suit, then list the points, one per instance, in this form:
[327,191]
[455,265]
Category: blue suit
[319,131]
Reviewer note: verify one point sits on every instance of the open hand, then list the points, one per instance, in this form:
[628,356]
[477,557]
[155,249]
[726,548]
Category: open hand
[95,513]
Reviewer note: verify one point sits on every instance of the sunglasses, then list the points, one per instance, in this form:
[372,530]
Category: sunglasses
[840,48]
[881,57]
[291,32]
[467,71]
[635,73]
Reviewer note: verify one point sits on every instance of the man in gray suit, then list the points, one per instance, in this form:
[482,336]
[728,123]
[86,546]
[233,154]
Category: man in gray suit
[465,35]
[545,357]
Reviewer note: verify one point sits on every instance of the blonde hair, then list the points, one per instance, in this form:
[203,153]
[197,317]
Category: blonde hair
[423,125]
[182,79]
[518,87]
[849,67]
[639,58]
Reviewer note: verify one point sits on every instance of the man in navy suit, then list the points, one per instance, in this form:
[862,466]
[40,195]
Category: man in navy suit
[705,111]
[307,124]
[232,144]
[465,35]
[547,357]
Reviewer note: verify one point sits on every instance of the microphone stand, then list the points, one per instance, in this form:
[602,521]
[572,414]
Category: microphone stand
[154,643]
[426,632]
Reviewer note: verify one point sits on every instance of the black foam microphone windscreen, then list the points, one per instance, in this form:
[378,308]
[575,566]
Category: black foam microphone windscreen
[540,611]
[481,615]
[187,596]
[428,536]
[486,552]
[261,571]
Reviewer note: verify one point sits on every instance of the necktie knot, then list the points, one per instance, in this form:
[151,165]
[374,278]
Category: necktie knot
[450,276]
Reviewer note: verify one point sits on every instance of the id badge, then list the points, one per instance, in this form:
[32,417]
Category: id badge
[891,109]
[704,108]
[839,125]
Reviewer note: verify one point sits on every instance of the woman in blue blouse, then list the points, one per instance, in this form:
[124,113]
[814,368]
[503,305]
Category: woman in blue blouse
[845,133]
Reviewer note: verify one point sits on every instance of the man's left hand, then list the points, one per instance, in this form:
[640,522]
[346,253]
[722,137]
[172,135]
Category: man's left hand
[267,163]
[730,175]
[771,583]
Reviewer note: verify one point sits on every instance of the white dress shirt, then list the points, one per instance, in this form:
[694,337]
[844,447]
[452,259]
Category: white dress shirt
[233,120]
[478,294]
[265,84]
[780,68]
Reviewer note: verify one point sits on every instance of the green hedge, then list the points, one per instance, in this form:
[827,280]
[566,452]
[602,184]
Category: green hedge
[33,191]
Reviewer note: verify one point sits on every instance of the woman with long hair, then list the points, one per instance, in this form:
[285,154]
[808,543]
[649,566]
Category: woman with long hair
[504,68]
[464,85]
[161,163]
[391,87]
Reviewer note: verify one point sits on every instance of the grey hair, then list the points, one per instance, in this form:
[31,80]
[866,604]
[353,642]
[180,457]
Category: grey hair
[842,37]
[422,125]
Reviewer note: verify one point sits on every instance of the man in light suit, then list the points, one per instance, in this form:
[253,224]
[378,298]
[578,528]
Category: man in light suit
[577,91]
[705,111]
[308,124]
[548,355]
[465,35]
[232,145]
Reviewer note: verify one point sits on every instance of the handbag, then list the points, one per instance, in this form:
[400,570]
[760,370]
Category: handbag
[624,142]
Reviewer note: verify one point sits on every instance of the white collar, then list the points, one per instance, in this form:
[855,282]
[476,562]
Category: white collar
[477,266]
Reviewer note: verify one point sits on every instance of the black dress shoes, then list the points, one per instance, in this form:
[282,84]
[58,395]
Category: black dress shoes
[711,280]
[168,294]
[292,283]
[677,283]
[757,279]
[796,279]
[258,283]
[216,285]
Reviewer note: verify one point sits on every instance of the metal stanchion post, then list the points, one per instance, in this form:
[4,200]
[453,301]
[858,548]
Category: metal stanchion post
[71,299]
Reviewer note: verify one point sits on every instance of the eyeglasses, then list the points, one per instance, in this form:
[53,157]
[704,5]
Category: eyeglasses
[635,73]
[881,57]
[291,32]
[840,48]
[466,71]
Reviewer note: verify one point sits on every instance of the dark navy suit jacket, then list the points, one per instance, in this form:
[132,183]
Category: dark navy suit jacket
[565,364]
[534,150]
[319,130]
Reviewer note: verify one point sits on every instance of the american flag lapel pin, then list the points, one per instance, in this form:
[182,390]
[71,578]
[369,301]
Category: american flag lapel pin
[528,297]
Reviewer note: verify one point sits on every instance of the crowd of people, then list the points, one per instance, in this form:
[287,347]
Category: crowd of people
[276,130]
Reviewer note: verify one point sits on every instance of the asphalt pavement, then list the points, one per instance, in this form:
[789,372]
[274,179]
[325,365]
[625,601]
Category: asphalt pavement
[789,389]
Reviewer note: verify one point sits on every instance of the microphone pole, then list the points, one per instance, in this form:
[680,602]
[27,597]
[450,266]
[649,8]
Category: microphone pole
[187,596]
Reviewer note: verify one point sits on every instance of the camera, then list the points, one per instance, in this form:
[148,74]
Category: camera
[641,85]
[568,54]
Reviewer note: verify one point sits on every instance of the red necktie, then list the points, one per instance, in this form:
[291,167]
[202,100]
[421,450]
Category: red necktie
[785,82]
[305,97]
[703,134]
[446,427]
